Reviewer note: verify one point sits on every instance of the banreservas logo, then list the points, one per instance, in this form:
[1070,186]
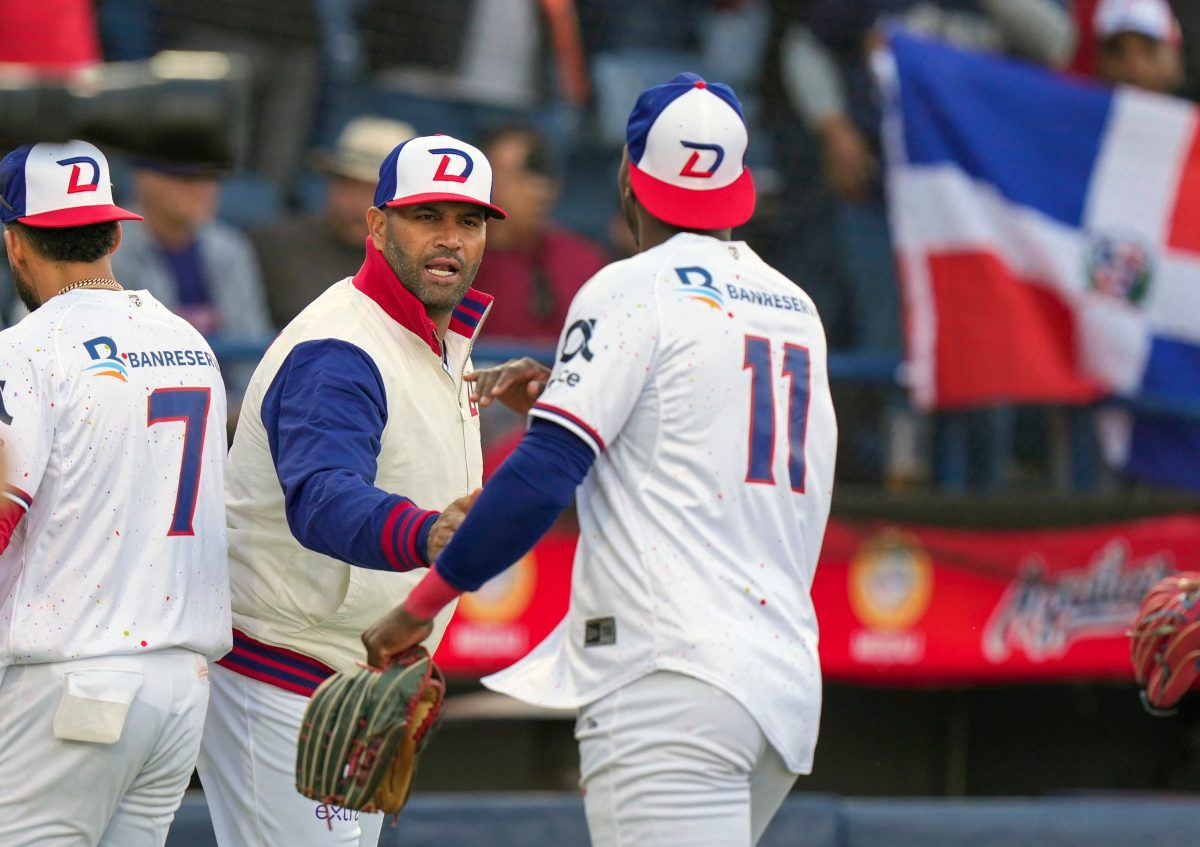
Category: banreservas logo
[106,358]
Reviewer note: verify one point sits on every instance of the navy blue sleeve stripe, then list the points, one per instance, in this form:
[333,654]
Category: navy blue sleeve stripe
[518,505]
[324,414]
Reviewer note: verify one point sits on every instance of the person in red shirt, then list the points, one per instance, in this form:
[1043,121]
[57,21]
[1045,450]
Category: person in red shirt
[533,266]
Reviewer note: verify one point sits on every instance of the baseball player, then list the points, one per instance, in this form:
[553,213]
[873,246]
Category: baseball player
[689,412]
[113,570]
[355,428]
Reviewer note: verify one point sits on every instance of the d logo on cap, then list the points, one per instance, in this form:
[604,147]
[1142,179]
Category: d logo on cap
[690,168]
[75,186]
[686,140]
[446,153]
[405,179]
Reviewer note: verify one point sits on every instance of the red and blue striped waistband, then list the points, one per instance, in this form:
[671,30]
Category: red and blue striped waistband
[276,666]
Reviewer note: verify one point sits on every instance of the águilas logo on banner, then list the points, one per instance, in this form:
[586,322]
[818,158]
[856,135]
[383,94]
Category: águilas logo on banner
[1041,616]
[890,582]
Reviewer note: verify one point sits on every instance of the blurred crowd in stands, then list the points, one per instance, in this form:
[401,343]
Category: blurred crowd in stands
[543,87]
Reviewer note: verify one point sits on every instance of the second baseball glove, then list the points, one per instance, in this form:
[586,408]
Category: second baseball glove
[1165,640]
[362,732]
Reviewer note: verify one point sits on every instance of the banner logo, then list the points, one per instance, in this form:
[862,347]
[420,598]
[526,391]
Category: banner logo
[1041,616]
[504,598]
[891,581]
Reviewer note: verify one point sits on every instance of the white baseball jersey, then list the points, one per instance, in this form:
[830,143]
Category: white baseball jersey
[698,375]
[113,418]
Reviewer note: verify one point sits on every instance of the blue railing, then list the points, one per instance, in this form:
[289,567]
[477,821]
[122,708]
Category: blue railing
[1072,450]
[843,366]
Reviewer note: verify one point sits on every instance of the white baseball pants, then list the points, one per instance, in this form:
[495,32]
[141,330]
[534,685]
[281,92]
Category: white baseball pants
[248,770]
[98,751]
[671,760]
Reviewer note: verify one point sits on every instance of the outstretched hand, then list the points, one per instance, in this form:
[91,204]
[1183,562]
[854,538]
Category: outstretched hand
[517,384]
[393,635]
[447,523]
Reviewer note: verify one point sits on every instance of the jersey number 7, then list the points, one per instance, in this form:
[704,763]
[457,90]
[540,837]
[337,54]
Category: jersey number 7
[189,406]
[763,418]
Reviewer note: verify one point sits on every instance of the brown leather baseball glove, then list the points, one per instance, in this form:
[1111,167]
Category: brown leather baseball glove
[362,732]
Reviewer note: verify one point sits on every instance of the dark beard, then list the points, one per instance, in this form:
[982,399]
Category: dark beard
[434,300]
[24,290]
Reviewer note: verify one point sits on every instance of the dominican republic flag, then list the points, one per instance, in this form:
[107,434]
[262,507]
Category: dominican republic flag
[1047,232]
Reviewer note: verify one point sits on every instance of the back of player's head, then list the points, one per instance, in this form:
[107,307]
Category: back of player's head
[436,169]
[686,141]
[86,243]
[58,185]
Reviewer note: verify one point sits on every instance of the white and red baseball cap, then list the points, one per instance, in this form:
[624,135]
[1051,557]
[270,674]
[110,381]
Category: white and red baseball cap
[436,169]
[1151,18]
[687,139]
[58,185]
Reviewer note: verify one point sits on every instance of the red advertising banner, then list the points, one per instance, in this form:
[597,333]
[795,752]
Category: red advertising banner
[931,605]
[906,604]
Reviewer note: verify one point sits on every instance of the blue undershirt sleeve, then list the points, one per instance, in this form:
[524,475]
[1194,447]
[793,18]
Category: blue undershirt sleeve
[324,414]
[517,505]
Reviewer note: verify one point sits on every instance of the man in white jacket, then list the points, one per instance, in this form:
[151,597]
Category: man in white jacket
[355,427]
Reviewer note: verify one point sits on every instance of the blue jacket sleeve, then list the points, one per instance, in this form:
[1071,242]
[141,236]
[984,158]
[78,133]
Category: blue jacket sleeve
[517,505]
[324,414]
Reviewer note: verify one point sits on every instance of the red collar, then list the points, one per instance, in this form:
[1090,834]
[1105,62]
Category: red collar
[377,280]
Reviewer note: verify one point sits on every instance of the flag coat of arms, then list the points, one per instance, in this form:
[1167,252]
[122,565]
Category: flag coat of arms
[1047,231]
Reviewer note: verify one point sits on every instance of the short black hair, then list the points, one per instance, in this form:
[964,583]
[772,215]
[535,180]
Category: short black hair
[85,243]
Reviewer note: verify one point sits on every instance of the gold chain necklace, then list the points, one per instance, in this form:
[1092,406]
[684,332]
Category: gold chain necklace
[92,282]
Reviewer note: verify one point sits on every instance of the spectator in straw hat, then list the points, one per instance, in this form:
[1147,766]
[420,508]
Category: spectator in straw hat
[302,255]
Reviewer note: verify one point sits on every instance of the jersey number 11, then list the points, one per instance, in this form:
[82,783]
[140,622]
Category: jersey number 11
[763,419]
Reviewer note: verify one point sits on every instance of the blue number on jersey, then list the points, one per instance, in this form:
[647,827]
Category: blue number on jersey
[762,410]
[189,405]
